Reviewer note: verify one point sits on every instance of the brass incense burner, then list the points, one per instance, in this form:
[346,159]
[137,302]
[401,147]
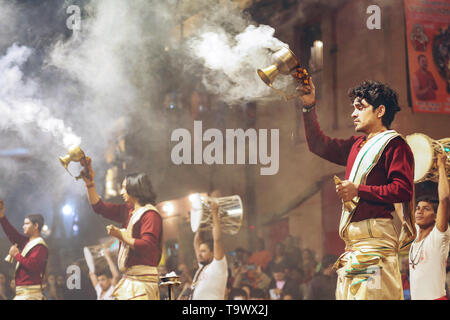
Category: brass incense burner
[75,154]
[286,63]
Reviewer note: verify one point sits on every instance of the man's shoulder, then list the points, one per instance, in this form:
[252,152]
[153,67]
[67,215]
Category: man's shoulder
[151,214]
[220,263]
[398,143]
[444,234]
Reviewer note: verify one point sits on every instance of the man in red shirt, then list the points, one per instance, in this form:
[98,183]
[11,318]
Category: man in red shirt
[30,252]
[140,236]
[379,173]
[423,81]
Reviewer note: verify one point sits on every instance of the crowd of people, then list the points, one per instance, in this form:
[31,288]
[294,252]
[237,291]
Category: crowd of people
[286,273]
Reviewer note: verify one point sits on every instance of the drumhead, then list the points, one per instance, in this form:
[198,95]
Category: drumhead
[422,150]
[196,211]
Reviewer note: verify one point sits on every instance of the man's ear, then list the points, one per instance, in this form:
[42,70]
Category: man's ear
[381,111]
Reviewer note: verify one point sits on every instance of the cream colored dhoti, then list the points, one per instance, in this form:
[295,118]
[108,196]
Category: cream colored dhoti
[138,283]
[33,292]
[369,268]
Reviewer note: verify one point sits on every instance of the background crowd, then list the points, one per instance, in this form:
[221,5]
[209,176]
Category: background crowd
[288,272]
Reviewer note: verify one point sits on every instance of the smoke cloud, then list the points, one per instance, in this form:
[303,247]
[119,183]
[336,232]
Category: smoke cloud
[58,88]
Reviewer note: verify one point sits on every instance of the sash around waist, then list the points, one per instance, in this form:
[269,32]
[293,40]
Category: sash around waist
[381,229]
[142,273]
[28,289]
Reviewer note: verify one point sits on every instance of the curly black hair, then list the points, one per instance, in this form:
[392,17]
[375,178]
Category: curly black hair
[377,93]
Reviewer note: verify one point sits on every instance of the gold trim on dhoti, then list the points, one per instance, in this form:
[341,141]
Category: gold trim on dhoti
[33,292]
[369,268]
[138,283]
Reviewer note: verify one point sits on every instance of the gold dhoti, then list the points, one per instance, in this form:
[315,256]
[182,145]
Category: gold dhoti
[138,283]
[33,292]
[369,267]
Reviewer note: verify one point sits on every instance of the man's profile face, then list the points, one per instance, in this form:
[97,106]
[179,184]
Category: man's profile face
[364,116]
[425,214]
[123,191]
[205,255]
[29,228]
[104,282]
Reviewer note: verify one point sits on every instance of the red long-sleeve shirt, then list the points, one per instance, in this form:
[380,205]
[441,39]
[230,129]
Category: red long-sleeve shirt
[147,232]
[31,266]
[390,181]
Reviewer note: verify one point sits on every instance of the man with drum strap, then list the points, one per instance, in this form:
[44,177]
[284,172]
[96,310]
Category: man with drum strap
[30,252]
[428,253]
[104,281]
[140,239]
[379,173]
[210,280]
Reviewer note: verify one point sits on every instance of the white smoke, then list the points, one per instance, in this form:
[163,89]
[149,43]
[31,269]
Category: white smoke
[231,60]
[21,105]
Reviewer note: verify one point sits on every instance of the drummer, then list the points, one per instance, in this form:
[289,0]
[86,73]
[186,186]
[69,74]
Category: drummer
[428,254]
[210,280]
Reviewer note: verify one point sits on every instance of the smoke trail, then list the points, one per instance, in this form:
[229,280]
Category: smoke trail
[20,103]
[232,62]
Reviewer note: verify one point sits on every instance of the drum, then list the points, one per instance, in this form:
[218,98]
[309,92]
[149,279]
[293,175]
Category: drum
[230,213]
[425,150]
[94,255]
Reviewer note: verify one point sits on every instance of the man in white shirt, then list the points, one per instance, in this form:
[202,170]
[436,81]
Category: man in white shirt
[104,281]
[210,280]
[428,253]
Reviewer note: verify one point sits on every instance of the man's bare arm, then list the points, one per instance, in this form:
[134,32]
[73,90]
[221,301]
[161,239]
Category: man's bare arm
[444,193]
[219,253]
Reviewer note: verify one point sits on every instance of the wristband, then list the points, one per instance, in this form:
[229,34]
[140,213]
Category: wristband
[309,107]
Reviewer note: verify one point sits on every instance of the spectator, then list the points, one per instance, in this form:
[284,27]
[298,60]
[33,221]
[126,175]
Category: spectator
[51,291]
[61,285]
[241,257]
[293,251]
[258,294]
[278,259]
[237,294]
[261,257]
[182,292]
[247,288]
[309,264]
[296,274]
[6,292]
[281,284]
[323,284]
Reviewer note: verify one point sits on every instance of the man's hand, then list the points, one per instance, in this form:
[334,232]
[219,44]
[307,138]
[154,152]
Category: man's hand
[13,250]
[347,190]
[307,92]
[107,252]
[114,231]
[2,208]
[441,160]
[87,173]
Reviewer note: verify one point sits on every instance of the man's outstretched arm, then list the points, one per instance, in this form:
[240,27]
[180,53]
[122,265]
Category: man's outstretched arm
[444,194]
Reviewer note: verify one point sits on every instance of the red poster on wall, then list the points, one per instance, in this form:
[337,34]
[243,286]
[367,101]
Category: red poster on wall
[428,41]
